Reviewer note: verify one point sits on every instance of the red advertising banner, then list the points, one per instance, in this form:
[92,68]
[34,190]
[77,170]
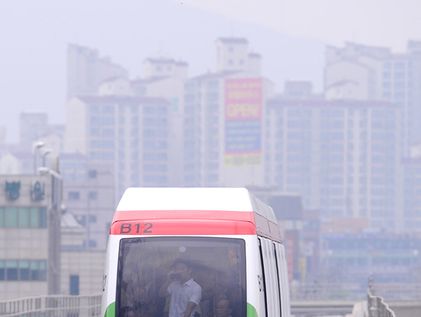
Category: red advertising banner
[243,116]
[243,99]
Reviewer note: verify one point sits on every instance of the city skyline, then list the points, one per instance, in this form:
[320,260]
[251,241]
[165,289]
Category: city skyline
[227,149]
[42,73]
[115,117]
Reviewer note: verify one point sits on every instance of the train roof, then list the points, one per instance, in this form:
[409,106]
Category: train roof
[202,198]
[219,202]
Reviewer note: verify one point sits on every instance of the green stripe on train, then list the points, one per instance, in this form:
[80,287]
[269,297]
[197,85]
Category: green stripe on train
[251,311]
[110,312]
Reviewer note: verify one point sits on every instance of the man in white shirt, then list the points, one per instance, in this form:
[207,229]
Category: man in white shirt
[185,293]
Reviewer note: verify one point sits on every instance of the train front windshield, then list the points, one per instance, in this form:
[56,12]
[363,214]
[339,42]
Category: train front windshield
[152,270]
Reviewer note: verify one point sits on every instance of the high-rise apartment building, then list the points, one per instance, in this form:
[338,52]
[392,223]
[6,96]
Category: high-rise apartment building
[86,70]
[165,78]
[375,73]
[128,134]
[233,54]
[223,120]
[164,68]
[161,78]
[411,190]
[341,156]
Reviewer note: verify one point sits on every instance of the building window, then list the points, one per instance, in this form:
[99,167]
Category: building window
[23,270]
[23,217]
[81,219]
[92,244]
[42,212]
[38,218]
[38,270]
[12,270]
[2,271]
[11,217]
[73,195]
[92,218]
[92,173]
[93,195]
[74,285]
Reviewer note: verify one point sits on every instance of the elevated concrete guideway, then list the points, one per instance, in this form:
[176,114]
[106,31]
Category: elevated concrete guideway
[343,308]
[90,306]
[406,308]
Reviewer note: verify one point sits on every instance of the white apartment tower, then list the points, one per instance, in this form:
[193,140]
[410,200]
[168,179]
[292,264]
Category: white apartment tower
[223,120]
[233,54]
[164,67]
[362,72]
[341,156]
[86,70]
[165,78]
[129,134]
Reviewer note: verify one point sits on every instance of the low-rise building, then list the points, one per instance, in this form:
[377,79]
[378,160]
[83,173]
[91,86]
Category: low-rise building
[385,257]
[88,193]
[81,269]
[30,210]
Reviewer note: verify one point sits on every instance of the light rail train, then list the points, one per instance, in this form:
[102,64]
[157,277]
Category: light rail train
[229,239]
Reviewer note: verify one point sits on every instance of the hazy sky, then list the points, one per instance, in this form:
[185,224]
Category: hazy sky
[380,22]
[288,33]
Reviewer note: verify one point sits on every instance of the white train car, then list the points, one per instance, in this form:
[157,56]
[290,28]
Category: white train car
[230,240]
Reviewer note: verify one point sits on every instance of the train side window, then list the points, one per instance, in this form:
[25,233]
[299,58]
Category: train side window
[278,275]
[274,280]
[283,275]
[272,290]
[263,276]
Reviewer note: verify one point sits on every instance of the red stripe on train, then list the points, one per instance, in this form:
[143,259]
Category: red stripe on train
[183,223]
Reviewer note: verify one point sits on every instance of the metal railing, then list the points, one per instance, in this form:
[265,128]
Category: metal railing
[327,292]
[90,306]
[354,291]
[52,306]
[399,291]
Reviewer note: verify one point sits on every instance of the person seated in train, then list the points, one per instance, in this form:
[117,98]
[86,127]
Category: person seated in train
[129,312]
[223,307]
[235,297]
